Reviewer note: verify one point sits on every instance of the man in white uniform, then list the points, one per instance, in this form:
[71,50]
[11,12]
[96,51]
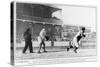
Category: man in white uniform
[76,40]
[41,39]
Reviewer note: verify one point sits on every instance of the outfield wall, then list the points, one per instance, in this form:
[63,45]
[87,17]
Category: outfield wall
[48,43]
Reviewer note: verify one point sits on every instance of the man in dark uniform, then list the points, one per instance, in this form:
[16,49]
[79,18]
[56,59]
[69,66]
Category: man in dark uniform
[28,42]
[76,40]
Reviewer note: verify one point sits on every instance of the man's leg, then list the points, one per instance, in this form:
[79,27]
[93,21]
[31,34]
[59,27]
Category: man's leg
[30,47]
[76,47]
[75,50]
[70,45]
[44,46]
[40,45]
[26,46]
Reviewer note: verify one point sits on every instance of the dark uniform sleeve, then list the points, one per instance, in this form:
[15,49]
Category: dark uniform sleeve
[47,38]
[84,35]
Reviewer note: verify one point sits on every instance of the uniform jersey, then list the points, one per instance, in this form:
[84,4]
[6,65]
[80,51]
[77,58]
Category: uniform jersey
[42,34]
[77,38]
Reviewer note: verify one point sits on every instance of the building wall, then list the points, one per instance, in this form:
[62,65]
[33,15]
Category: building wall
[52,31]
[33,10]
[36,14]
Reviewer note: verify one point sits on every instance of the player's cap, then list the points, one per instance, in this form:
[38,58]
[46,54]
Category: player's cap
[83,28]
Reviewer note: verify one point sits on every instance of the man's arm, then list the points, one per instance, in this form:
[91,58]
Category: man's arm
[84,35]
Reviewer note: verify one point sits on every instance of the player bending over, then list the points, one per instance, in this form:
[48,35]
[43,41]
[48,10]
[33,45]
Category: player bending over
[76,40]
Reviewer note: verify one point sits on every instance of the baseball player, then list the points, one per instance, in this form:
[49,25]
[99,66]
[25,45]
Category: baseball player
[76,40]
[41,39]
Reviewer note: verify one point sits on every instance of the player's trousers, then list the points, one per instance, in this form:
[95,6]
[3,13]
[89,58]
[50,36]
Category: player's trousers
[28,44]
[40,45]
[41,42]
[75,43]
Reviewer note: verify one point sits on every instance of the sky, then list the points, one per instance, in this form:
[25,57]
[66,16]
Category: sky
[77,15]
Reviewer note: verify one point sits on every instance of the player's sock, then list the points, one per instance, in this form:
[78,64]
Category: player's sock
[75,50]
[68,48]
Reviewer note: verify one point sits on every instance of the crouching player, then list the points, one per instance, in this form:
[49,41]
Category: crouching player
[76,40]
[42,38]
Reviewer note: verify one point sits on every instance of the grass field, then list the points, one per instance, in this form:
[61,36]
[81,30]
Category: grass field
[52,53]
